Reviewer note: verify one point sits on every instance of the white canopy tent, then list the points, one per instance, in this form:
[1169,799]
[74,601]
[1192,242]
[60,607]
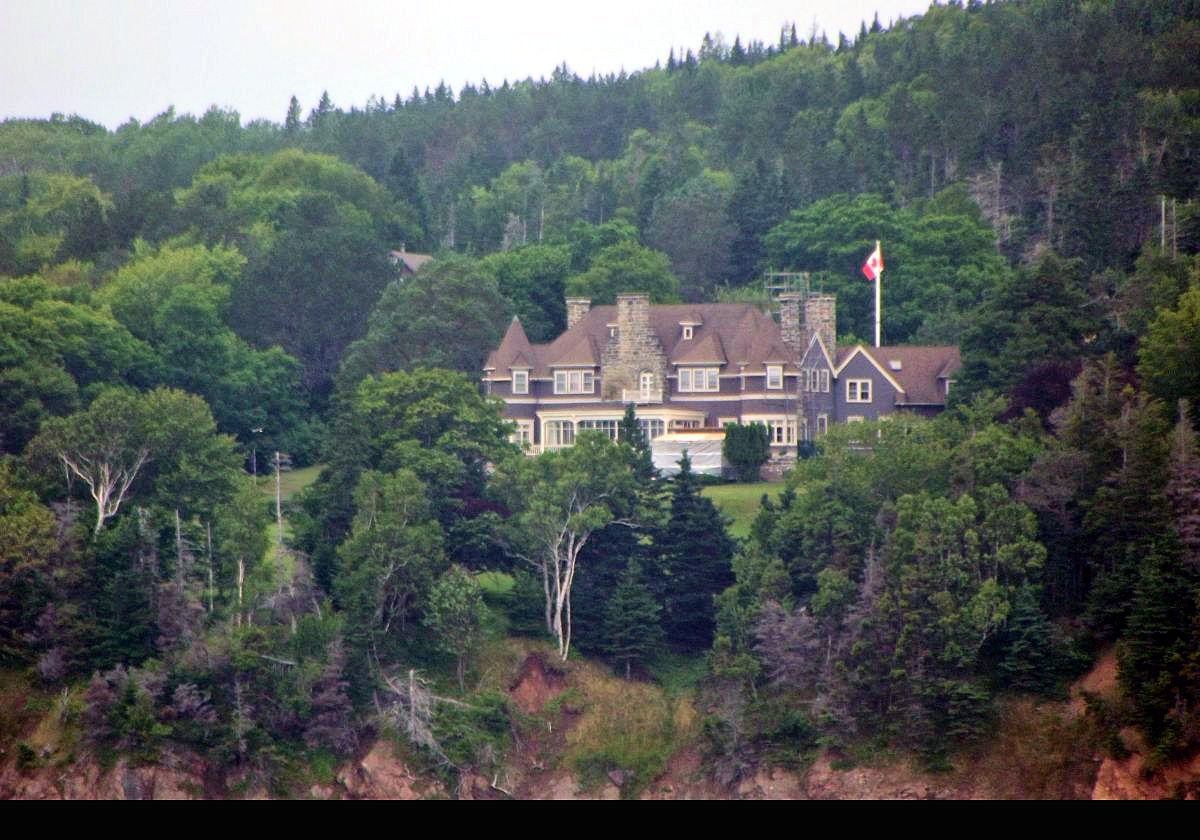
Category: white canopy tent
[702,447]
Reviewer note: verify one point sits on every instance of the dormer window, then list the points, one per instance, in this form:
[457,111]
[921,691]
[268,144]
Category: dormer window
[774,377]
[613,331]
[687,332]
[574,382]
[698,379]
[520,382]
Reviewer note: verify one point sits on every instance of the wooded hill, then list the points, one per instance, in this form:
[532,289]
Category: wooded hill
[182,296]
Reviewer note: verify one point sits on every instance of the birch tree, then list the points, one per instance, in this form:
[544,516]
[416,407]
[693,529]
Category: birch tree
[105,446]
[559,500]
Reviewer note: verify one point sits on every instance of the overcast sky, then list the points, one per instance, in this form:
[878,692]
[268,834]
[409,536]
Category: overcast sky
[115,59]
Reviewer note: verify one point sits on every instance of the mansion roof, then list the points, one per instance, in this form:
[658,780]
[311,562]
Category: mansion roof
[725,335]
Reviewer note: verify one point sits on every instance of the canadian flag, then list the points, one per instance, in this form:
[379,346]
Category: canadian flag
[873,267]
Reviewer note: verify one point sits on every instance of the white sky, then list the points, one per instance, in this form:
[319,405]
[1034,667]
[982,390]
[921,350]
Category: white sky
[109,61]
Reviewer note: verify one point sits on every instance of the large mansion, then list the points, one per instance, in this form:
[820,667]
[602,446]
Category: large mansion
[695,366]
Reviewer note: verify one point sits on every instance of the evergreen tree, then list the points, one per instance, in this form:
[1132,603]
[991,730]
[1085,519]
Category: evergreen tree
[1158,656]
[629,431]
[747,448]
[697,557]
[1029,660]
[632,632]
[291,124]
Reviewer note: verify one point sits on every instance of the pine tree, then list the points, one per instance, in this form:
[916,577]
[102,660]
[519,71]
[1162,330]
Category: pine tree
[632,631]
[629,431]
[291,124]
[697,558]
[1183,486]
[1158,648]
[1029,660]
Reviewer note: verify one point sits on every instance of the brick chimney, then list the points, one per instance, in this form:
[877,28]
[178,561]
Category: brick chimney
[577,309]
[820,317]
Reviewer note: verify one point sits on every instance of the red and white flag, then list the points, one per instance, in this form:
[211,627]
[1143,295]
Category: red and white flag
[873,267]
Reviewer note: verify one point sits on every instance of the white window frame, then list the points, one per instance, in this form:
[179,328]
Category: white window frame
[646,387]
[709,380]
[825,380]
[523,435]
[822,423]
[652,427]
[574,382]
[557,434]
[520,382]
[782,430]
[858,390]
[687,333]
[604,425]
[775,372]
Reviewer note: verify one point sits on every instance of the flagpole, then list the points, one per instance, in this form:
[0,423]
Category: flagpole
[878,296]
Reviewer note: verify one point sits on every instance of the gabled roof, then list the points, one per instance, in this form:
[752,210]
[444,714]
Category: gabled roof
[816,345]
[704,349]
[919,372]
[726,335]
[407,261]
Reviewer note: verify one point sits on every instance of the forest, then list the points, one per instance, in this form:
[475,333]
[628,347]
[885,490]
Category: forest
[190,304]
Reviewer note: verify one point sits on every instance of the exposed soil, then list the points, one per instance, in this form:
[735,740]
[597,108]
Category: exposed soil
[536,685]
[1040,750]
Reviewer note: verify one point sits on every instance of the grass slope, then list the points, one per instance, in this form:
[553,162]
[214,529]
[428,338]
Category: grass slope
[740,502]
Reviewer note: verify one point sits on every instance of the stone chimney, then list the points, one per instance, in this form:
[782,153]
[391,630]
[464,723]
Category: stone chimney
[635,350]
[820,317]
[794,336]
[633,320]
[577,309]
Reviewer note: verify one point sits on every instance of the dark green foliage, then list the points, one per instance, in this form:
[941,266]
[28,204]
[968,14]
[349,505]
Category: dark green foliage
[1158,655]
[450,315]
[602,563]
[454,611]
[28,543]
[474,735]
[626,267]
[1170,351]
[1030,660]
[387,568]
[1032,316]
[696,554]
[433,423]
[533,279]
[940,256]
[1014,154]
[746,448]
[631,629]
[629,433]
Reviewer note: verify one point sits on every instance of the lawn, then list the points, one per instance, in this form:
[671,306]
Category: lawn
[291,482]
[739,502]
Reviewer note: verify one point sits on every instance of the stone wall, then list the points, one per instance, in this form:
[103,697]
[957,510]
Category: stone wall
[794,335]
[820,317]
[634,349]
[577,310]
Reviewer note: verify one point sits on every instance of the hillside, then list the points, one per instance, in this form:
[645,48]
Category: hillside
[185,299]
